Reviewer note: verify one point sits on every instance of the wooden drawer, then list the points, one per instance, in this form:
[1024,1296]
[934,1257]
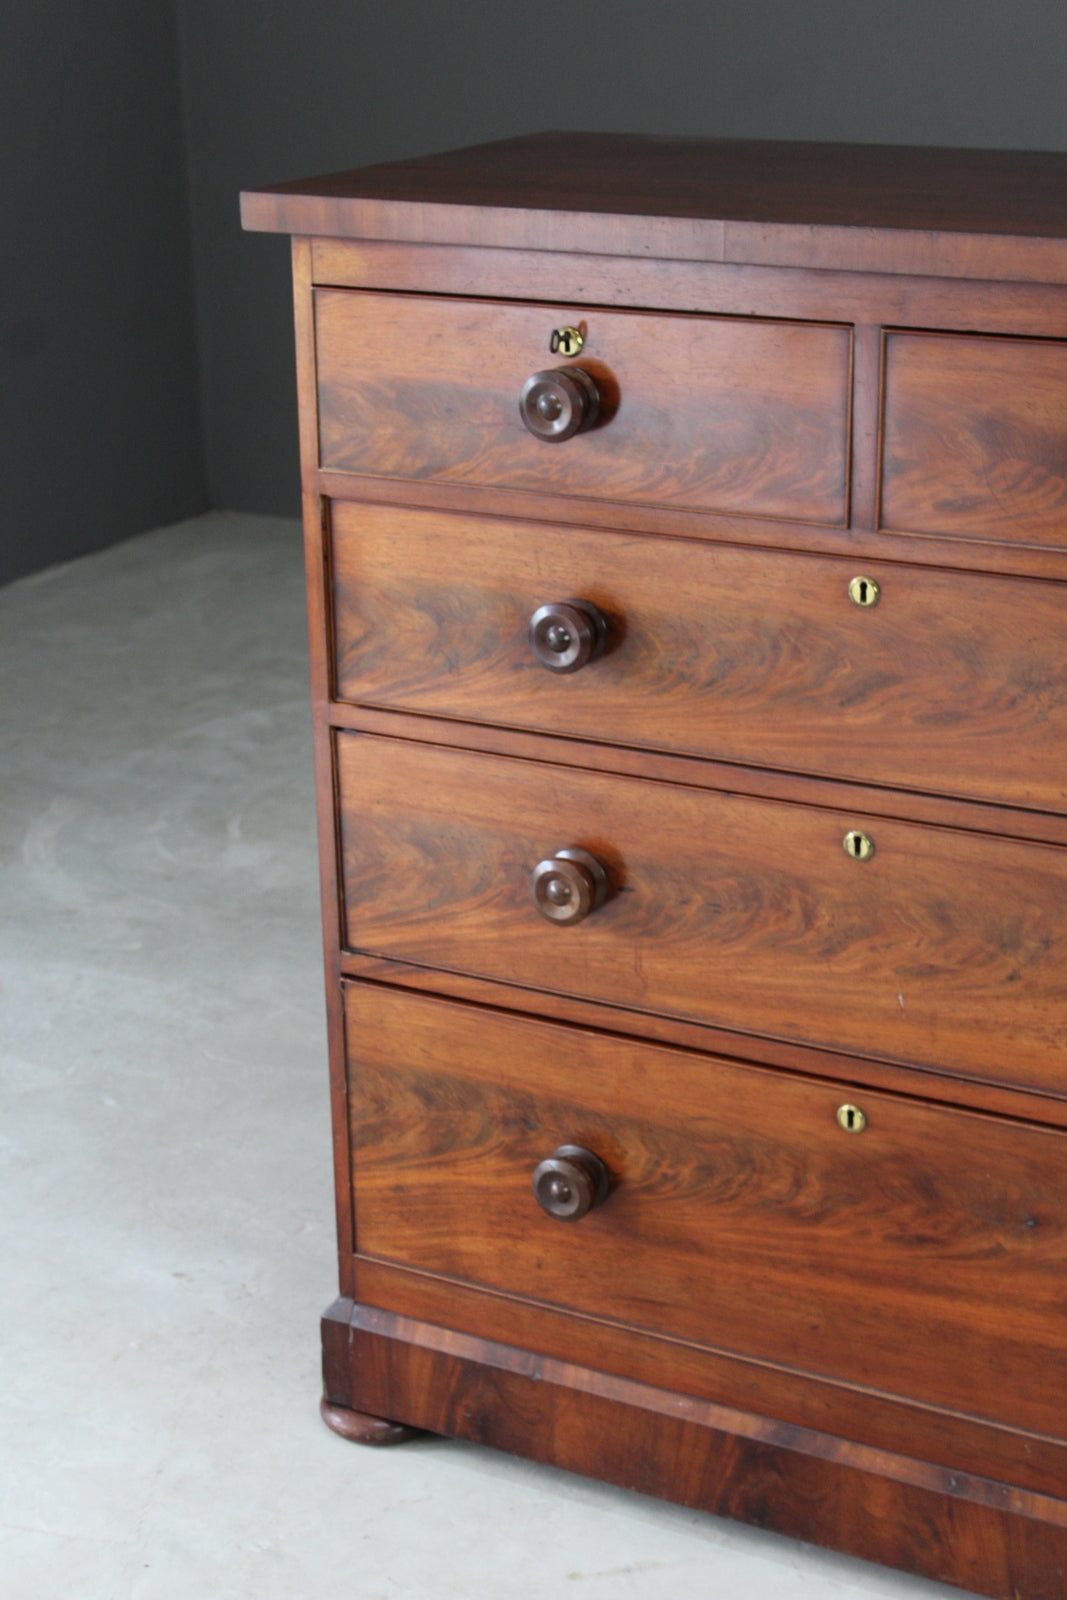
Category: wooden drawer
[976,437]
[728,414]
[945,949]
[953,683]
[922,1257]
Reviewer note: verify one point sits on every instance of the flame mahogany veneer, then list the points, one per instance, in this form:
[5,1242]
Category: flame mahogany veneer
[808,1104]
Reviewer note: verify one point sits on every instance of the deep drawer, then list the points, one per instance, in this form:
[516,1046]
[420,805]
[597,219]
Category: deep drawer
[730,414]
[953,682]
[976,437]
[945,949]
[923,1257]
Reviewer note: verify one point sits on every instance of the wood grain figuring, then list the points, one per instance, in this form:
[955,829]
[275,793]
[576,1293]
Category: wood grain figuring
[860,1071]
[880,208]
[976,438]
[304,330]
[942,951]
[316,550]
[1012,822]
[755,180]
[816,363]
[941,1524]
[953,683]
[867,343]
[751,291]
[882,1422]
[759,1225]
[920,549]
[719,413]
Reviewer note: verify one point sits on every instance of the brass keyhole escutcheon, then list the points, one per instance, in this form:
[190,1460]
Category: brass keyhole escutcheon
[863,591]
[566,341]
[860,846]
[851,1118]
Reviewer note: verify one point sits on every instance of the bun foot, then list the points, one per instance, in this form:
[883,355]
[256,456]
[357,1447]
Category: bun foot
[363,1429]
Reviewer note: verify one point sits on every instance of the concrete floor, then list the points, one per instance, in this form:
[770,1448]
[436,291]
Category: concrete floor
[164,1143]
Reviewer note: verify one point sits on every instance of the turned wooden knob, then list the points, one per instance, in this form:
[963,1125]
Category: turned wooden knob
[557,404]
[567,886]
[570,1182]
[567,633]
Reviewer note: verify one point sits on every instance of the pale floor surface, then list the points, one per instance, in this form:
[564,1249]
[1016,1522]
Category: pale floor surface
[166,1199]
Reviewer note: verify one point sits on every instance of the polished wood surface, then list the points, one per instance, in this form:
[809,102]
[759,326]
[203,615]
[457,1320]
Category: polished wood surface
[875,337]
[976,437]
[862,1071]
[361,1429]
[862,298]
[913,805]
[882,1422]
[953,683]
[740,1214]
[716,413]
[718,527]
[754,180]
[943,950]
[933,1521]
[725,1378]
[964,213]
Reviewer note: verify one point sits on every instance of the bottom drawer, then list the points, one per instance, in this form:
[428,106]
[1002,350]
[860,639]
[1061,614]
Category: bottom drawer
[922,1257]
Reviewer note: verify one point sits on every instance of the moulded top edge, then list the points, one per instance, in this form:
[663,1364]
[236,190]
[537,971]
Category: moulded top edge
[972,213]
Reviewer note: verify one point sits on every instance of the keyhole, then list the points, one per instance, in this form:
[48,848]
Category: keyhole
[851,1118]
[863,592]
[566,341]
[860,846]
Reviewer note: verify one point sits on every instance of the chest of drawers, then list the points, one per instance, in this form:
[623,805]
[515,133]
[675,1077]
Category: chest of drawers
[686,534]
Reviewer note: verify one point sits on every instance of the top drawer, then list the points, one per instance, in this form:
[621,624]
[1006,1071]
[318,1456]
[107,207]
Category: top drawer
[728,414]
[976,438]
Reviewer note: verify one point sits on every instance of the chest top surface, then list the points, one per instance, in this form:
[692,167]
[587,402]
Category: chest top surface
[885,208]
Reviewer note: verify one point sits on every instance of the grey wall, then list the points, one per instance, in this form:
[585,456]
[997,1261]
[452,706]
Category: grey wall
[99,407]
[291,89]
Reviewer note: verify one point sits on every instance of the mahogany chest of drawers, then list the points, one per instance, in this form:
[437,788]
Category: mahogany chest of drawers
[686,546]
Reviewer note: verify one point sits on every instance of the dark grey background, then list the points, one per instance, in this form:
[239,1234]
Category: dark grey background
[145,343]
[99,411]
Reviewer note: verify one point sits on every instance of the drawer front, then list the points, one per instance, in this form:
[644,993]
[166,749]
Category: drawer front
[712,413]
[953,682]
[976,437]
[923,1257]
[944,949]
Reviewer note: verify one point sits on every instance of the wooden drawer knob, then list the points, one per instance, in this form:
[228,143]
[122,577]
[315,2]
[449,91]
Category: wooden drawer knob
[557,404]
[567,886]
[570,1182]
[567,633]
